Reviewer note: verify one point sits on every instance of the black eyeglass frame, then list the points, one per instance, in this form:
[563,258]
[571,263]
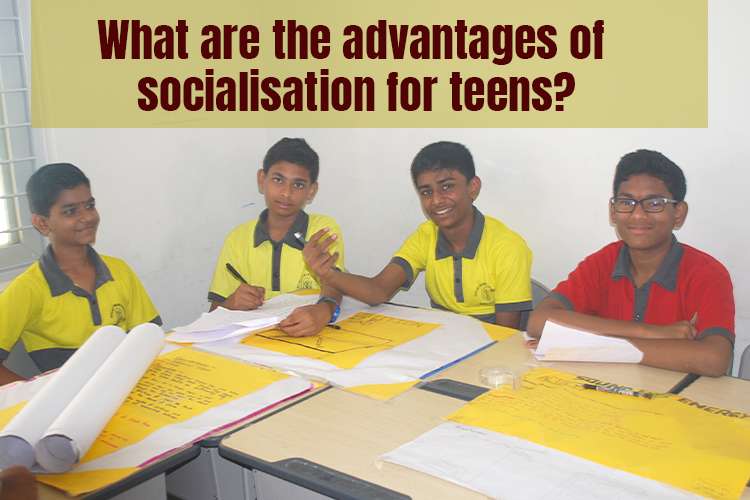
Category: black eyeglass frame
[630,208]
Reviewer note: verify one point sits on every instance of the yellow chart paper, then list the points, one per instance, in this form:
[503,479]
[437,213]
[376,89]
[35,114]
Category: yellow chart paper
[176,387]
[382,392]
[77,483]
[359,337]
[498,332]
[7,414]
[667,438]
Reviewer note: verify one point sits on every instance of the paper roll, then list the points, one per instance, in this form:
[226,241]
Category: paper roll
[70,436]
[18,438]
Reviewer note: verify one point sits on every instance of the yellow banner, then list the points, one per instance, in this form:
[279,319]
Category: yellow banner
[666,438]
[499,63]
[348,343]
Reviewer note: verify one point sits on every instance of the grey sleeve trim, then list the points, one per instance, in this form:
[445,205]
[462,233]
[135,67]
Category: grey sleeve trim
[157,321]
[562,299]
[716,330]
[401,262]
[514,307]
[215,297]
[3,354]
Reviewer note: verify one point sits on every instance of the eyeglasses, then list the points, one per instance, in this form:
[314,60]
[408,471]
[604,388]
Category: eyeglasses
[652,205]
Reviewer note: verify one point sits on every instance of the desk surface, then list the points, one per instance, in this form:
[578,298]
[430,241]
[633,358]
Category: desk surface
[725,392]
[347,432]
[513,354]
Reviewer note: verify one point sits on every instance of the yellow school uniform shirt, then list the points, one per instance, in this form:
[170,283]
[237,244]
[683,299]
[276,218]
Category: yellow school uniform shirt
[492,274]
[53,317]
[276,266]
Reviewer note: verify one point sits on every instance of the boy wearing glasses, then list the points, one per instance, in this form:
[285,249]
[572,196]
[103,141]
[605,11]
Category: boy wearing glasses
[671,301]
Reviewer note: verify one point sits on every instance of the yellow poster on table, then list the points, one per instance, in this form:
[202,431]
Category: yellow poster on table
[349,342]
[665,437]
[178,386]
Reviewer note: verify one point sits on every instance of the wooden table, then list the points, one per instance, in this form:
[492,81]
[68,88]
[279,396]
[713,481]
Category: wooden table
[513,354]
[347,432]
[724,392]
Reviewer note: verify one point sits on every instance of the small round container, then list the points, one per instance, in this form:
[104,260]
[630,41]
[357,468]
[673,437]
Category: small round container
[497,376]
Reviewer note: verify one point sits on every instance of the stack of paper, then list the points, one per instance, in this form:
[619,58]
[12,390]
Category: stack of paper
[563,343]
[222,324]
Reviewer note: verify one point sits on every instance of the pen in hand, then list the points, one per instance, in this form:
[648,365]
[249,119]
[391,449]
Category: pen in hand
[235,273]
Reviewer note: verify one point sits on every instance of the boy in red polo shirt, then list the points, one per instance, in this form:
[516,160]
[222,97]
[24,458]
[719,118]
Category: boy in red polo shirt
[670,300]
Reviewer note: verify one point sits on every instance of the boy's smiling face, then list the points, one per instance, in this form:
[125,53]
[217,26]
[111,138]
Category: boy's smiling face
[641,230]
[287,188]
[72,220]
[447,197]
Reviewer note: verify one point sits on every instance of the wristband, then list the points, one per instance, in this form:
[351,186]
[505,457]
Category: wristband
[336,310]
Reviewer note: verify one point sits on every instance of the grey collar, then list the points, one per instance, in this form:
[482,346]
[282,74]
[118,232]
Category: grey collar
[299,226]
[59,282]
[666,275]
[444,248]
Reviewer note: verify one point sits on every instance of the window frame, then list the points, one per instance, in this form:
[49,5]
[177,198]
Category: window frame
[16,256]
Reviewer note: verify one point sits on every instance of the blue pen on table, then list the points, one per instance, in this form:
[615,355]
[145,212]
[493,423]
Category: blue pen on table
[234,272]
[619,390]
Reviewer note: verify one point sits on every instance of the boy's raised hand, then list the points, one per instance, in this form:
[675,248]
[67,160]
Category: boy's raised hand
[306,320]
[316,254]
[245,298]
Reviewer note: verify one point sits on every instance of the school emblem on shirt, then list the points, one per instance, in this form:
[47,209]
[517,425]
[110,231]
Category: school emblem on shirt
[307,281]
[118,315]
[485,293]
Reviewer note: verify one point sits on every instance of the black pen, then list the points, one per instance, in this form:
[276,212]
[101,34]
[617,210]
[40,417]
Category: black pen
[235,273]
[625,391]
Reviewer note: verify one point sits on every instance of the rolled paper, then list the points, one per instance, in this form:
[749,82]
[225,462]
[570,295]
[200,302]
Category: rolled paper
[21,434]
[70,436]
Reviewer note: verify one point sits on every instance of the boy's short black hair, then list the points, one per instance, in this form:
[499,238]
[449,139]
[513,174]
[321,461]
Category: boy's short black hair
[443,155]
[295,151]
[655,164]
[46,184]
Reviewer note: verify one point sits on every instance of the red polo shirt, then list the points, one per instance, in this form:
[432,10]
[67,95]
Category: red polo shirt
[687,282]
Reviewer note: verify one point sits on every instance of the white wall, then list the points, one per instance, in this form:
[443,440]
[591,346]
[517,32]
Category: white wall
[168,197]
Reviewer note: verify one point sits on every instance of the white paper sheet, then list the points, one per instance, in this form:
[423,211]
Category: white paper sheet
[71,434]
[20,436]
[222,324]
[563,343]
[456,337]
[507,467]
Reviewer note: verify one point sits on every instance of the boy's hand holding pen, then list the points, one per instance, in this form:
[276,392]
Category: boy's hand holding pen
[246,296]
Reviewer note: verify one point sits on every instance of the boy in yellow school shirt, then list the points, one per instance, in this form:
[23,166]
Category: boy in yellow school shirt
[59,301]
[474,264]
[262,258]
